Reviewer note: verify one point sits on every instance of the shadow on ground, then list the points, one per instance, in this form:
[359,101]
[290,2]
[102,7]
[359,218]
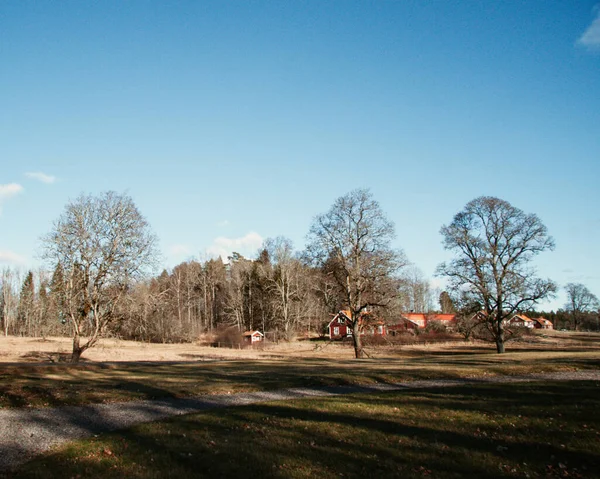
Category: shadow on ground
[494,430]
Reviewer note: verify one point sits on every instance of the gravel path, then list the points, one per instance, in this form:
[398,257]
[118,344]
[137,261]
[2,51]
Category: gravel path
[27,432]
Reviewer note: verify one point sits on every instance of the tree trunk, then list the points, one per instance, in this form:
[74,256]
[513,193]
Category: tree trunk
[77,349]
[358,347]
[500,339]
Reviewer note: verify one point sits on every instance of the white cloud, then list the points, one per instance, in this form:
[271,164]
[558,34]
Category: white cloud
[11,258]
[12,189]
[9,190]
[246,245]
[43,177]
[591,37]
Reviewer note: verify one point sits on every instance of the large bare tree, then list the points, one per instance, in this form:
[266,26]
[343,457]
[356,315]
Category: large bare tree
[352,241]
[580,300]
[494,244]
[102,244]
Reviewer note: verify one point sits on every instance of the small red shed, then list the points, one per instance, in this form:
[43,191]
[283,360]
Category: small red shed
[252,337]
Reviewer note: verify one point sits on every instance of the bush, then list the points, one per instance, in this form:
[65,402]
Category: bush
[435,327]
[227,337]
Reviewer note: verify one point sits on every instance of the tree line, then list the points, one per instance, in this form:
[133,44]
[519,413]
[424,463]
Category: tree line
[101,252]
[91,291]
[276,293]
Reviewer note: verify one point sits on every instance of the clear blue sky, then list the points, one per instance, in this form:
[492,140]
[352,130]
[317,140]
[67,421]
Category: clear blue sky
[228,122]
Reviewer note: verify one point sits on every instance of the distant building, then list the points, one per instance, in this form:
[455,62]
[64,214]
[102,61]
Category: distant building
[340,326]
[521,321]
[543,323]
[253,337]
[422,319]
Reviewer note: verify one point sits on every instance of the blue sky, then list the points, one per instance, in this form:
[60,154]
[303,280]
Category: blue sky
[229,122]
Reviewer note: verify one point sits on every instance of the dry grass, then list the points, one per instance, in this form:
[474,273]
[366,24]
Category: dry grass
[189,370]
[51,350]
[523,430]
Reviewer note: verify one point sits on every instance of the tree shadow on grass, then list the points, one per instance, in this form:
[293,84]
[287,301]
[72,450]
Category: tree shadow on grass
[62,384]
[399,434]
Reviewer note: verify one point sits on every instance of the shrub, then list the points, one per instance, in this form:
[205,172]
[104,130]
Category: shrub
[435,327]
[228,337]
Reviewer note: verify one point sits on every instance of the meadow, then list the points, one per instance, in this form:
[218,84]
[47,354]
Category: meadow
[534,429]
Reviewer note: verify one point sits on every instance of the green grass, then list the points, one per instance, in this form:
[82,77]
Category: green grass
[57,385]
[549,429]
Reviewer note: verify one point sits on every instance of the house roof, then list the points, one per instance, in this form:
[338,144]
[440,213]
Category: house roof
[522,317]
[401,320]
[543,321]
[429,316]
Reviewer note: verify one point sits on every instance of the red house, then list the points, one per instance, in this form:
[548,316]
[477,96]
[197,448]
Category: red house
[339,327]
[543,323]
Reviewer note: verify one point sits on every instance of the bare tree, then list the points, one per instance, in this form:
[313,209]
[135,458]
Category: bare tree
[240,288]
[9,300]
[415,291]
[494,243]
[353,241]
[580,300]
[102,244]
[285,282]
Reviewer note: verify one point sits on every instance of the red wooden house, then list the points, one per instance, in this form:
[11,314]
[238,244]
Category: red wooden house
[339,327]
[253,337]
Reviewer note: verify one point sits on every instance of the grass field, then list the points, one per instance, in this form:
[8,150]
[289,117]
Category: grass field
[52,385]
[39,383]
[495,430]
[537,429]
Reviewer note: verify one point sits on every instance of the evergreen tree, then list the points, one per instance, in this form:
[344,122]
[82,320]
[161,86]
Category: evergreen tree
[25,312]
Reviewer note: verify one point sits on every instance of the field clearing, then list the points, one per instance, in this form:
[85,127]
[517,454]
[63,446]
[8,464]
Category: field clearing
[165,373]
[535,429]
[548,429]
[55,349]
